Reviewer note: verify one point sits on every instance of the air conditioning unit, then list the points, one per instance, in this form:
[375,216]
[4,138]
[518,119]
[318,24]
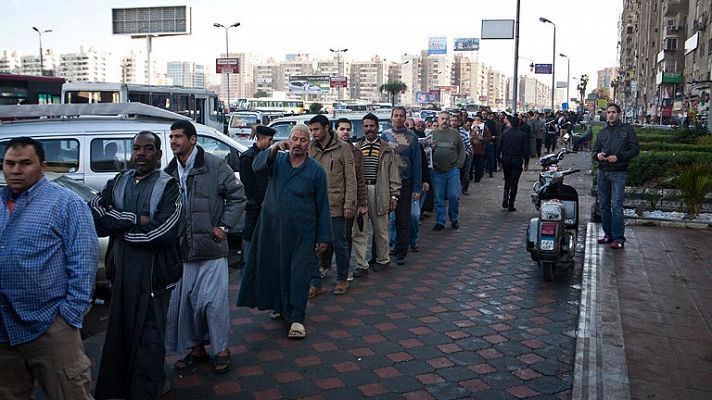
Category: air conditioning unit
[700,24]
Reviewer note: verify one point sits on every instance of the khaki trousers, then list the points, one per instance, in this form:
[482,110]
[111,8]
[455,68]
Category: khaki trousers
[380,234]
[55,359]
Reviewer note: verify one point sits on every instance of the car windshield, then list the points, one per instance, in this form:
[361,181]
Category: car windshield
[240,121]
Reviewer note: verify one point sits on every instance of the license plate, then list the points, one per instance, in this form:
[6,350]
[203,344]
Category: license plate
[546,244]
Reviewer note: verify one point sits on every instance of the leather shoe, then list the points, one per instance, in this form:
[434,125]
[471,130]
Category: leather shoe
[315,291]
[438,227]
[378,267]
[505,204]
[400,261]
[455,225]
[511,208]
[360,272]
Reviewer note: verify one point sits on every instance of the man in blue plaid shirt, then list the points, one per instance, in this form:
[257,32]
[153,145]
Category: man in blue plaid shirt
[47,269]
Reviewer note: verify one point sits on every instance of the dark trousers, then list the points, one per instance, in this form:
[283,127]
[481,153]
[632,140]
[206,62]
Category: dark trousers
[539,143]
[491,161]
[338,246]
[465,173]
[403,219]
[478,165]
[512,172]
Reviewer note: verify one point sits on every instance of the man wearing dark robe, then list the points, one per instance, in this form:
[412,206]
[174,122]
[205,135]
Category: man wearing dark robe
[140,209]
[294,226]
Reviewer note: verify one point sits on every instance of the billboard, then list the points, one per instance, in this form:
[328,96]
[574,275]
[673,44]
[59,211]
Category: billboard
[542,68]
[159,21]
[432,96]
[497,29]
[309,84]
[466,44]
[561,84]
[227,65]
[338,82]
[437,45]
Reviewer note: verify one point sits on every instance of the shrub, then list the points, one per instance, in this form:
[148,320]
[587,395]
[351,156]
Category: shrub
[654,165]
[694,182]
[657,146]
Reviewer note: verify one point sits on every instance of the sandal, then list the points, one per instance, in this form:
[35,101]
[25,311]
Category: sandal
[190,361]
[297,331]
[221,364]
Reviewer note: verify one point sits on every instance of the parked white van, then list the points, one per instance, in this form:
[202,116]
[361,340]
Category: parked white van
[92,142]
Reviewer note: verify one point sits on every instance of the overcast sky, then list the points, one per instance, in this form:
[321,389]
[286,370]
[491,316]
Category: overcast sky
[586,29]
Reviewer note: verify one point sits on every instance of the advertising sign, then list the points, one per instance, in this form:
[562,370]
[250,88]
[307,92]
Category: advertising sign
[338,82]
[466,44]
[542,68]
[497,29]
[309,84]
[437,45]
[227,65]
[432,96]
[561,84]
[159,21]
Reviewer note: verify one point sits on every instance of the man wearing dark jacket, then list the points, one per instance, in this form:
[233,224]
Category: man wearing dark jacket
[141,210]
[615,146]
[512,151]
[255,184]
[214,201]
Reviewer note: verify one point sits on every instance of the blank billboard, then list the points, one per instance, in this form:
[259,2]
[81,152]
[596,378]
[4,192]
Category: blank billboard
[497,29]
[159,21]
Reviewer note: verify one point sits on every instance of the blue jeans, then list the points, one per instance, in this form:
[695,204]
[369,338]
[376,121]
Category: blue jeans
[611,189]
[447,184]
[415,219]
[489,154]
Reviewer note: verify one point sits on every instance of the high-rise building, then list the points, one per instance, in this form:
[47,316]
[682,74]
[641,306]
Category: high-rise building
[605,77]
[365,79]
[264,76]
[134,69]
[533,94]
[698,62]
[186,74]
[88,66]
[10,62]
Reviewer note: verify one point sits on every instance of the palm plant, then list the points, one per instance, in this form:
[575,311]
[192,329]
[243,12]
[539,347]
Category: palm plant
[393,88]
[694,182]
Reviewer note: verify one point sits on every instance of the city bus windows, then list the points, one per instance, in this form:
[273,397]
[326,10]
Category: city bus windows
[137,97]
[199,114]
[83,97]
[162,100]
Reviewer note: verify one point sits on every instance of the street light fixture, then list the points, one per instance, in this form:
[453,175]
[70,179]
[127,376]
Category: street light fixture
[40,32]
[568,75]
[227,55]
[338,66]
[553,62]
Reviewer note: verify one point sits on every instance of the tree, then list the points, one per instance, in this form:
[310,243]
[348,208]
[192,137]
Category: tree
[260,93]
[315,108]
[393,88]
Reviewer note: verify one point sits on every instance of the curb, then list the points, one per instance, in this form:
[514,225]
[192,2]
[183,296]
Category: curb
[667,223]
[600,370]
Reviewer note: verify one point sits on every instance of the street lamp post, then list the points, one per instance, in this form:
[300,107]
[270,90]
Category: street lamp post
[553,62]
[227,55]
[338,67]
[40,32]
[568,75]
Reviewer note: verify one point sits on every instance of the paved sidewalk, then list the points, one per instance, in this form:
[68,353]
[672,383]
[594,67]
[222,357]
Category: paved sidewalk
[469,316]
[646,316]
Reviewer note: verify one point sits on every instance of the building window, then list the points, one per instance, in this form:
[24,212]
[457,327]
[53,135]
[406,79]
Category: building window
[670,44]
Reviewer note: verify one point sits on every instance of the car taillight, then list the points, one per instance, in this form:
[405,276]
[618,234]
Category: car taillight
[548,228]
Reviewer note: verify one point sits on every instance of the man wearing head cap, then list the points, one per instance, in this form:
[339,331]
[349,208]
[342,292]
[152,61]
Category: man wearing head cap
[255,184]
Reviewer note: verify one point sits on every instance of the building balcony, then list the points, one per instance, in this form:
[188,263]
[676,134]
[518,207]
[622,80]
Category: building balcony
[673,30]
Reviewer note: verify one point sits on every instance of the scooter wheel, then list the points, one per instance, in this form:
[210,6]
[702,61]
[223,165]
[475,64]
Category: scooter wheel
[547,269]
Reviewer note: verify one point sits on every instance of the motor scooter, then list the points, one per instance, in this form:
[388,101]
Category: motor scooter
[551,236]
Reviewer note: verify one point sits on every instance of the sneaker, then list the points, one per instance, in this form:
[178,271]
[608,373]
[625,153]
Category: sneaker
[315,291]
[438,227]
[378,267]
[455,225]
[415,248]
[511,208]
[360,272]
[350,276]
[615,245]
[400,261]
[341,287]
[604,240]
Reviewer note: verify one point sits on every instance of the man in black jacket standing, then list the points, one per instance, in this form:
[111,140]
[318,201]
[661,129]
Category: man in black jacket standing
[512,151]
[141,210]
[255,184]
[615,146]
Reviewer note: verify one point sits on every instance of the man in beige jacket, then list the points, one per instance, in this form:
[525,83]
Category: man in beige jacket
[337,160]
[380,170]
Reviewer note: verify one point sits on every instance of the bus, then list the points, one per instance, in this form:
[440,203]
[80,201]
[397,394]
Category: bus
[200,104]
[28,89]
[285,106]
